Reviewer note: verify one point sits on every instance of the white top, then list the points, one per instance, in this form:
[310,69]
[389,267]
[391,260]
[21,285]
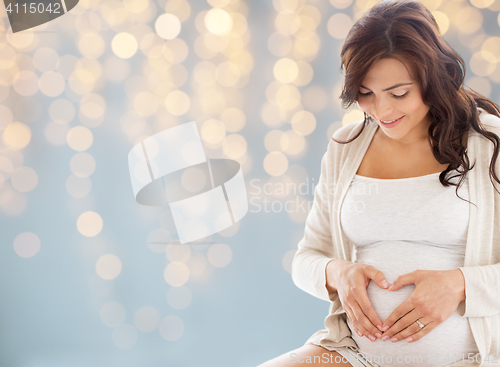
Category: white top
[399,226]
[325,240]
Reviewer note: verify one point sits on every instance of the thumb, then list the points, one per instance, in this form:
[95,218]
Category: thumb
[378,277]
[402,280]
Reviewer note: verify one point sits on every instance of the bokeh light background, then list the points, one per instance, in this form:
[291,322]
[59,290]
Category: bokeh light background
[80,286]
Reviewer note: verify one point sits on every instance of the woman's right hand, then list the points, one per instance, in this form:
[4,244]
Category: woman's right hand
[350,280]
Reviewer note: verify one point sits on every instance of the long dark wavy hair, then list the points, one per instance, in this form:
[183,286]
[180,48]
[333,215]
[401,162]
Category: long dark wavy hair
[407,31]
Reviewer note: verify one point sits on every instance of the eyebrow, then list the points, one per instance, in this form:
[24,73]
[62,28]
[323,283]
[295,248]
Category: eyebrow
[394,86]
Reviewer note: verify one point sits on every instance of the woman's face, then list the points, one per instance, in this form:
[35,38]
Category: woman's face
[387,93]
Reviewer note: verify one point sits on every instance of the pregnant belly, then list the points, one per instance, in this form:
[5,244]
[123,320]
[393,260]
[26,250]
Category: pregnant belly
[450,341]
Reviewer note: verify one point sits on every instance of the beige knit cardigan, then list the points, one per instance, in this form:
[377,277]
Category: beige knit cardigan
[324,239]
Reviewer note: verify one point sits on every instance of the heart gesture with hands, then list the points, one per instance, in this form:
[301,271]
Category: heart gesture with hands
[435,298]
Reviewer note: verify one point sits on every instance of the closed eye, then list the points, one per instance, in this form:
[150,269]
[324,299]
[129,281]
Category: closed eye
[394,95]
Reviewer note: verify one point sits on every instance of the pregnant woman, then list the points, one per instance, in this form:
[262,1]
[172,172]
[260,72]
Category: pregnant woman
[404,235]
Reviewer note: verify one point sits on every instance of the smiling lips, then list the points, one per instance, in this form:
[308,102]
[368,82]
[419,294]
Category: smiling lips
[391,121]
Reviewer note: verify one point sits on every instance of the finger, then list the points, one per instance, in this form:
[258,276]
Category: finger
[408,332]
[377,276]
[402,280]
[358,328]
[367,308]
[351,317]
[364,324]
[398,313]
[404,327]
[358,331]
[422,332]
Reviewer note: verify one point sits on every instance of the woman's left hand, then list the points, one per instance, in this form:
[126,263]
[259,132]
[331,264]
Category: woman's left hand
[436,297]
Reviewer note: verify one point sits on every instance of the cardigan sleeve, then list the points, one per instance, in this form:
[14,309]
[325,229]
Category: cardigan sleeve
[315,249]
[482,283]
[482,291]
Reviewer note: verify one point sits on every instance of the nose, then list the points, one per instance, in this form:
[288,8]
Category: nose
[382,108]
